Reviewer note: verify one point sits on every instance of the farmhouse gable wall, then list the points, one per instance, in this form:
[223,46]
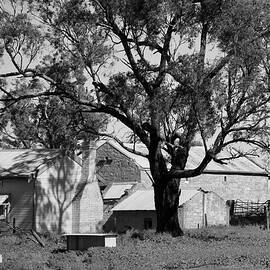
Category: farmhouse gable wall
[114,166]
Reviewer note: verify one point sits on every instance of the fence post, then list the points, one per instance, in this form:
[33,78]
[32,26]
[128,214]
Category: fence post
[14,225]
[267,215]
[205,220]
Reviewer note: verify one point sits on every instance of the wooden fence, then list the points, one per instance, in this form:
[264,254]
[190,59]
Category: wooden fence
[251,212]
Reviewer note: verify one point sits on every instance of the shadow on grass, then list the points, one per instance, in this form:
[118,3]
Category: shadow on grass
[59,250]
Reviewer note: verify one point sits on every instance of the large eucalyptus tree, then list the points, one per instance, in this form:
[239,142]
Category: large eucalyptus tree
[171,71]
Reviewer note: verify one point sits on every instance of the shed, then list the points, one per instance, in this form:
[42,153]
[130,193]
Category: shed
[197,208]
[47,190]
[39,185]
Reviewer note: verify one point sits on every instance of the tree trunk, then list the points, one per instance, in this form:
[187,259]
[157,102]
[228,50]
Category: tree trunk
[167,202]
[60,220]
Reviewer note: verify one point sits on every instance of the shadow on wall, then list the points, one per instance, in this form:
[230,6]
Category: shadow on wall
[51,192]
[54,198]
[21,203]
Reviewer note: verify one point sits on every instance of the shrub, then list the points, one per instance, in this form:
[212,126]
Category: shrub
[66,261]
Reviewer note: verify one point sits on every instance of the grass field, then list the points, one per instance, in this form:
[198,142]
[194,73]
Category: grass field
[212,248]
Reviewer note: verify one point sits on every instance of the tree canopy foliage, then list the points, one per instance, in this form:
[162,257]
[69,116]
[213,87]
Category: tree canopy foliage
[48,122]
[171,71]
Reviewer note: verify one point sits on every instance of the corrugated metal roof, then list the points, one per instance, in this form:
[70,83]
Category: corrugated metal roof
[142,200]
[116,191]
[237,166]
[22,162]
[241,164]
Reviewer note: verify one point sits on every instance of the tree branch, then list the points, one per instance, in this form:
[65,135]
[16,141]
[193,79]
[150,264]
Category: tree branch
[164,52]
[129,54]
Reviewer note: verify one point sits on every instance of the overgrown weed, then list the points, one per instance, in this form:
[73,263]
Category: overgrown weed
[144,250]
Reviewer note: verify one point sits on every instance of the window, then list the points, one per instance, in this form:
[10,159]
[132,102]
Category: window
[2,210]
[148,223]
[4,206]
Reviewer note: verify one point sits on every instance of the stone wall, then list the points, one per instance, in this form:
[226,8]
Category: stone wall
[216,210]
[231,187]
[87,208]
[190,214]
[114,166]
[203,208]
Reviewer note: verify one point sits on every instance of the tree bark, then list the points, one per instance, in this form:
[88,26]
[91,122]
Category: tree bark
[166,188]
[166,203]
[60,220]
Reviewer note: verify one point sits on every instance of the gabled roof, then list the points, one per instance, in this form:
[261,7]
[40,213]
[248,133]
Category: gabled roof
[140,160]
[116,190]
[240,165]
[23,162]
[143,200]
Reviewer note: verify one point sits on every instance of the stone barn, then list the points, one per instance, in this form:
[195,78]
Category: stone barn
[239,178]
[197,208]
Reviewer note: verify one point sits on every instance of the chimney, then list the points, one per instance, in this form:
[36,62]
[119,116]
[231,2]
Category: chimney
[89,162]
[87,209]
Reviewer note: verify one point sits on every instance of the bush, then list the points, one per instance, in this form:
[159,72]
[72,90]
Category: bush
[66,261]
